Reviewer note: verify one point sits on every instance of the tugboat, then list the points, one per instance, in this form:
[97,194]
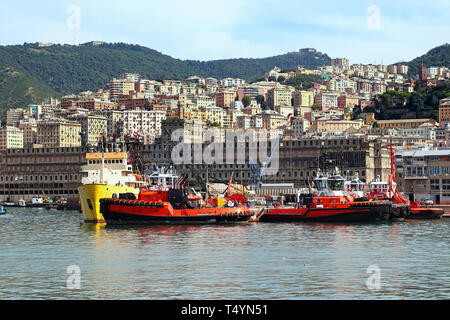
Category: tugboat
[172,206]
[331,204]
[388,190]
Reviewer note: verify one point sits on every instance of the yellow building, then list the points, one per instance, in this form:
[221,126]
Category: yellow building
[303,98]
[327,125]
[225,97]
[234,115]
[59,134]
[404,123]
[11,138]
[215,115]
[278,96]
[273,120]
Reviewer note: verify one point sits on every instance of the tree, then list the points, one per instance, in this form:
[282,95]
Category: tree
[375,125]
[147,106]
[260,99]
[356,112]
[246,101]
[272,78]
[281,79]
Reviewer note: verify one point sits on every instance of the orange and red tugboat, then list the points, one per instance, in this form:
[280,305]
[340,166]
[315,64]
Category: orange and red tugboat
[332,204]
[173,206]
[330,209]
[389,190]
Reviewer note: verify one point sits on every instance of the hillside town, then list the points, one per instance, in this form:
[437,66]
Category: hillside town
[43,146]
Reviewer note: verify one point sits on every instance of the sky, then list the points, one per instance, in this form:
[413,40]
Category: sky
[363,31]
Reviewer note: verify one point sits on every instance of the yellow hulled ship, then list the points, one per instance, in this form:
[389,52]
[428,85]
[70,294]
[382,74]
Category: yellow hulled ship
[107,175]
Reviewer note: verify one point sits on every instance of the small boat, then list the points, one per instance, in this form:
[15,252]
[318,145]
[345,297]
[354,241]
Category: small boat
[38,202]
[9,204]
[2,210]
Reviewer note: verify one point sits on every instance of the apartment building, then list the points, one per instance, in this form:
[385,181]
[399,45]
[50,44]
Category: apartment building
[13,116]
[272,120]
[300,127]
[424,174]
[225,97]
[215,115]
[91,128]
[29,129]
[346,101]
[120,87]
[95,104]
[444,112]
[285,110]
[405,123]
[146,123]
[58,134]
[10,138]
[278,96]
[303,98]
[326,100]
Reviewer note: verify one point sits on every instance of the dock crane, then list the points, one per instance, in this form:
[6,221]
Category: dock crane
[257,172]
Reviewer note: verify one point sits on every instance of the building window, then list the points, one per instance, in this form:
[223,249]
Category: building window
[434,170]
[434,185]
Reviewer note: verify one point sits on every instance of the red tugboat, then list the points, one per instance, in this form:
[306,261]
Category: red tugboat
[171,206]
[386,191]
[331,205]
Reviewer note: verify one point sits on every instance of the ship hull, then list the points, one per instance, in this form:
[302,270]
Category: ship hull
[120,218]
[90,196]
[139,213]
[332,215]
[426,213]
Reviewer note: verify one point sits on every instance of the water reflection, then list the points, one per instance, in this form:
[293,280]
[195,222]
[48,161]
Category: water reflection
[249,261]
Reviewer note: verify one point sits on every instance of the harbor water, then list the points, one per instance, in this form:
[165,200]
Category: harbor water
[244,261]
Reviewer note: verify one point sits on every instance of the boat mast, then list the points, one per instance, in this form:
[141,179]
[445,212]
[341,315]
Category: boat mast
[207,181]
[102,146]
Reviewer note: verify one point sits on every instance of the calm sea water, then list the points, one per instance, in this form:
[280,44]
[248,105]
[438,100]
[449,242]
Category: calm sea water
[251,261]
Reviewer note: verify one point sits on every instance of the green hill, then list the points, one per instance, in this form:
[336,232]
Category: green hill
[437,57]
[29,73]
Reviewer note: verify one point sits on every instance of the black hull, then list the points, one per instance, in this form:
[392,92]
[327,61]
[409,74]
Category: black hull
[119,218]
[374,215]
[426,215]
[37,205]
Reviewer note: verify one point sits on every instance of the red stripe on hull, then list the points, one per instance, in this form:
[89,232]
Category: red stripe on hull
[325,215]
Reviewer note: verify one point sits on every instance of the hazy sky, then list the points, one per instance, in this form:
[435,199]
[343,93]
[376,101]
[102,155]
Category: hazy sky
[363,31]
